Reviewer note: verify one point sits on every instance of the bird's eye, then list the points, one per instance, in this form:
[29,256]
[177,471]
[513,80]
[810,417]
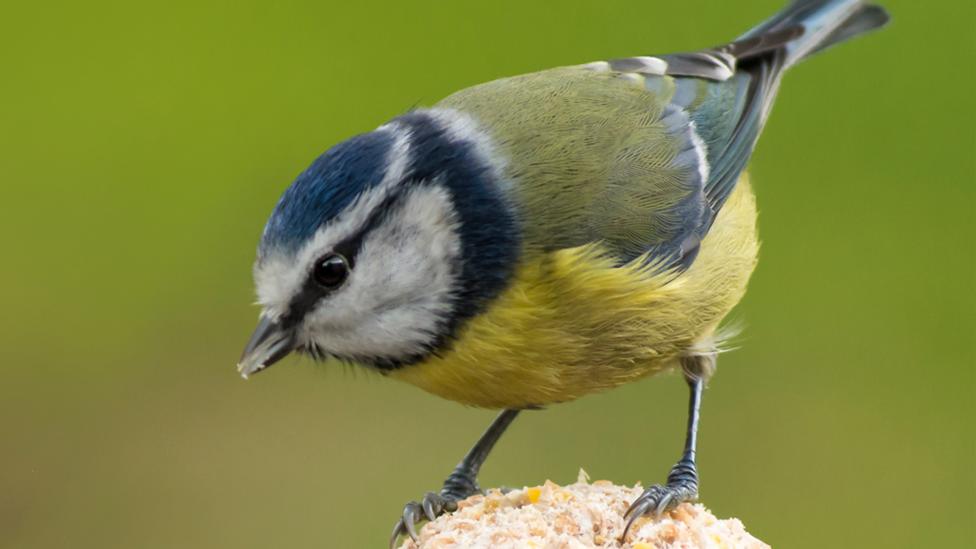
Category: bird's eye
[331,271]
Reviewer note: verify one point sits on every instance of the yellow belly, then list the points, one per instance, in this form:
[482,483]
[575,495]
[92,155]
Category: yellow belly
[571,323]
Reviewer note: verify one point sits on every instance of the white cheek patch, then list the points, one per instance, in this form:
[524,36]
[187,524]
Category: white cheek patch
[401,290]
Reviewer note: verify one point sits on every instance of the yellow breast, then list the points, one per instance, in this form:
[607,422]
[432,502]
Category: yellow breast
[572,323]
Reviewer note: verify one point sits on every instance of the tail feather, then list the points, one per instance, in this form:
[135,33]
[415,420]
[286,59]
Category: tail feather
[806,27]
[801,29]
[869,18]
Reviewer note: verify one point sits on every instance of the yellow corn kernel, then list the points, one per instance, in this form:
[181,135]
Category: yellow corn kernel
[533,494]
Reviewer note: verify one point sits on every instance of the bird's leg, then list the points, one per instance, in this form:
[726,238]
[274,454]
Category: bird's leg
[460,484]
[682,482]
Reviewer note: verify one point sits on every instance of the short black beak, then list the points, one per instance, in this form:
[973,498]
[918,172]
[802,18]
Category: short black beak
[270,343]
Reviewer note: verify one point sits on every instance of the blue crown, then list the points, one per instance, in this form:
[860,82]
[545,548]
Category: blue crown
[326,188]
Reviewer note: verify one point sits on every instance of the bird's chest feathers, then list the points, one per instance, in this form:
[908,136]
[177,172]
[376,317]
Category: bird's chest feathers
[571,323]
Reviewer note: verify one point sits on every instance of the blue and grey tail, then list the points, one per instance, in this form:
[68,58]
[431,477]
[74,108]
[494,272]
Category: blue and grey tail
[806,27]
[754,64]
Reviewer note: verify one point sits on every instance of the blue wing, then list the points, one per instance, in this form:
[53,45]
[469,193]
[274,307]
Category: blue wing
[727,92]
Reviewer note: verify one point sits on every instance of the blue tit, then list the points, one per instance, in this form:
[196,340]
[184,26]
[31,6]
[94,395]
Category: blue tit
[533,239]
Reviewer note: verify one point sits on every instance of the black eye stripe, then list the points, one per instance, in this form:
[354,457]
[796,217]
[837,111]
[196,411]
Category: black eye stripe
[312,292]
[351,246]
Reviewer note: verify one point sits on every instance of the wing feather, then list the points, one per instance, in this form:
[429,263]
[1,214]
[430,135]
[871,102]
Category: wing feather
[641,153]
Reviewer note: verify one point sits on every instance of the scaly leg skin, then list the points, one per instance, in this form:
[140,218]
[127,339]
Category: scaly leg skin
[462,483]
[682,482]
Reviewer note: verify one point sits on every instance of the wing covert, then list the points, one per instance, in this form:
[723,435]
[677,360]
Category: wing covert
[637,153]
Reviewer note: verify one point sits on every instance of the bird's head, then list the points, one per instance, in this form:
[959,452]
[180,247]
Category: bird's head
[385,245]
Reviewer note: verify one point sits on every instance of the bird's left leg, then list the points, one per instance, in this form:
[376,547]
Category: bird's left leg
[460,484]
[682,482]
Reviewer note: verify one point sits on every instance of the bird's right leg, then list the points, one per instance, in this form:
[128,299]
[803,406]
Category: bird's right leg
[682,482]
[460,484]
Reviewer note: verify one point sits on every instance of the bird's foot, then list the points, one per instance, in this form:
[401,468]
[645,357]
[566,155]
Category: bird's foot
[656,500]
[458,487]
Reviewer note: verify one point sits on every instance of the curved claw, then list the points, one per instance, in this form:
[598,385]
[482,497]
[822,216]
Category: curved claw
[429,510]
[410,519]
[432,505]
[657,499]
[397,531]
[406,524]
[630,521]
[633,507]
[435,505]
[642,502]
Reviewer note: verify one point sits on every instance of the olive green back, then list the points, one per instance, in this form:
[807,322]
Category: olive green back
[591,158]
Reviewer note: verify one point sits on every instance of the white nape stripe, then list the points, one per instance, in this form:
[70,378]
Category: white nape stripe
[278,278]
[462,127]
[398,159]
[704,170]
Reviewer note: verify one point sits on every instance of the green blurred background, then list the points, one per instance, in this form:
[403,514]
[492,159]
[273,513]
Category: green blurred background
[142,146]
